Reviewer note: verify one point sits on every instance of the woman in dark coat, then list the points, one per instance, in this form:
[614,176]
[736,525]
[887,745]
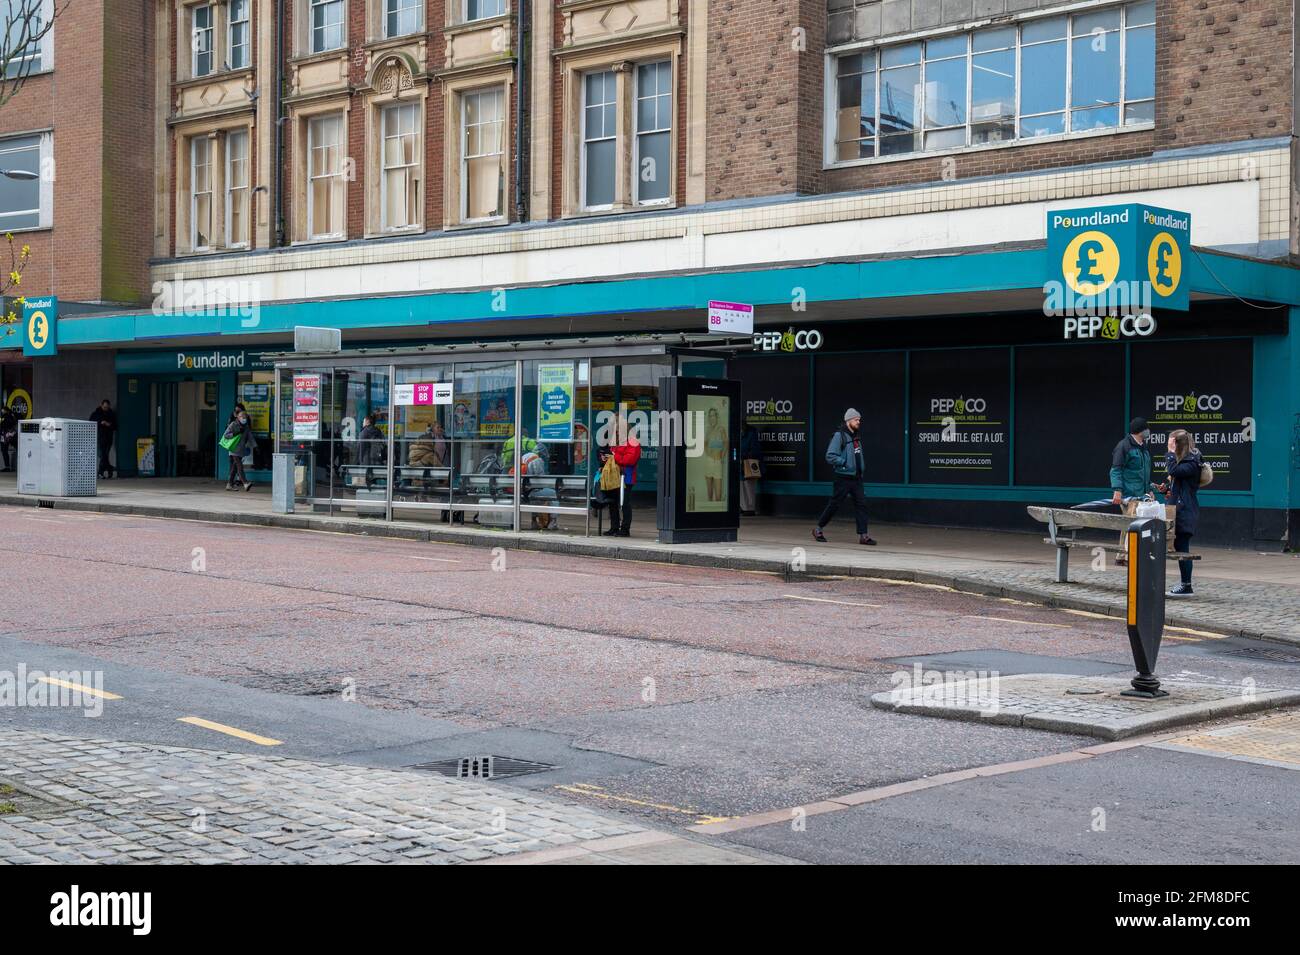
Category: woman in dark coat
[243,428]
[1182,482]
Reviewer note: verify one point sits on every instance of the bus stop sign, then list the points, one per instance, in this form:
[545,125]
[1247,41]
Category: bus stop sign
[1146,602]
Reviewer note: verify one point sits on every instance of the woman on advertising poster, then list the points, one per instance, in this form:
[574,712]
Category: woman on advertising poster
[715,456]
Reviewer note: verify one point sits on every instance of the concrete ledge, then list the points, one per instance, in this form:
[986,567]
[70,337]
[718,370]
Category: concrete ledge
[1085,706]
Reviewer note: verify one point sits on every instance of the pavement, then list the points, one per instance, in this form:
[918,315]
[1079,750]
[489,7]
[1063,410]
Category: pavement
[668,698]
[1239,592]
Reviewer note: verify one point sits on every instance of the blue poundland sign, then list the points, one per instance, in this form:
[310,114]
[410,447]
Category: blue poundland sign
[40,323]
[1112,259]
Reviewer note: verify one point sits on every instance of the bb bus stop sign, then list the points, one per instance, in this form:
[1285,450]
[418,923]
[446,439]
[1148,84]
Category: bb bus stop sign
[1146,602]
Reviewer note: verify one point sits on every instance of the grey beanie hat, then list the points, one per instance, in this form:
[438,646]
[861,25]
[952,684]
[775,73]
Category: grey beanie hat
[851,414]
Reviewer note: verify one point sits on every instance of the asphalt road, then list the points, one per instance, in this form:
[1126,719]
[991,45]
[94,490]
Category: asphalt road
[673,694]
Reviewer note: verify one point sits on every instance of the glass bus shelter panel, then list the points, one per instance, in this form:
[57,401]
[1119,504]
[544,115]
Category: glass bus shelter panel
[483,414]
[358,408]
[422,449]
[304,431]
[555,451]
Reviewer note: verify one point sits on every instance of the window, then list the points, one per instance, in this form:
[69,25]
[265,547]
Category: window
[201,193]
[201,39]
[482,154]
[20,199]
[23,21]
[482,9]
[237,188]
[1093,70]
[326,25]
[325,184]
[401,17]
[652,159]
[599,139]
[239,58]
[399,186]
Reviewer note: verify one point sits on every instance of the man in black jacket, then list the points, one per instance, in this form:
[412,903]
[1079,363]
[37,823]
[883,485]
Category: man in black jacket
[106,418]
[845,458]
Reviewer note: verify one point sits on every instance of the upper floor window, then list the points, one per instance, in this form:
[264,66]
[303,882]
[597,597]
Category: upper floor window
[325,179]
[20,194]
[237,188]
[238,42]
[654,124]
[1046,76]
[201,46]
[483,9]
[599,139]
[401,17]
[27,29]
[326,25]
[201,213]
[399,184]
[482,174]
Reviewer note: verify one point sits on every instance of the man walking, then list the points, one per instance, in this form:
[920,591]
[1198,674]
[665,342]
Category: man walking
[845,456]
[1130,470]
[106,417]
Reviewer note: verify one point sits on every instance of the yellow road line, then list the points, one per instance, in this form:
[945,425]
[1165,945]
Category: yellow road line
[587,789]
[827,600]
[229,730]
[1200,633]
[88,690]
[1027,623]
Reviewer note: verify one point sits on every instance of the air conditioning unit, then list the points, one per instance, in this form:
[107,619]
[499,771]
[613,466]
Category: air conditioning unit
[57,457]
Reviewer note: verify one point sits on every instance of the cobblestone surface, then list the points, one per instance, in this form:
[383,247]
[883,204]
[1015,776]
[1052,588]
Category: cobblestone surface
[105,801]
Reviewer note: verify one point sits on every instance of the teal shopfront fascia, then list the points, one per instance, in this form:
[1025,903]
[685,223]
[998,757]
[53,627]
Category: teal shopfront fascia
[968,419]
[173,406]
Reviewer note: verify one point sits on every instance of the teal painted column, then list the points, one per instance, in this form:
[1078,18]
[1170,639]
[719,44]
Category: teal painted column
[227,386]
[1276,409]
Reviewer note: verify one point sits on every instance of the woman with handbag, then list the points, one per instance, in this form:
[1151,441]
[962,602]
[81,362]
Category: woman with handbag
[751,463]
[1183,479]
[238,441]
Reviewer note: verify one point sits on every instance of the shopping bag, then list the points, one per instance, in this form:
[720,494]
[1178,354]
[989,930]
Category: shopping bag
[752,469]
[609,475]
[229,441]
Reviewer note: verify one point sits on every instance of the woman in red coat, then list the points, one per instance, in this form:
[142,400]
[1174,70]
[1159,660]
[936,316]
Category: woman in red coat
[627,452]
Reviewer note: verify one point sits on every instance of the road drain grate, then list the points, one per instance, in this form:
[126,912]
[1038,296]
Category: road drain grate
[483,767]
[1264,653]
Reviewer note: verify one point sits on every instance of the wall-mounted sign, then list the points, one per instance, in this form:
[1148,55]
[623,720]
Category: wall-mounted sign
[960,404]
[555,402]
[306,407]
[805,339]
[422,393]
[731,318]
[776,403]
[186,362]
[40,323]
[1129,258]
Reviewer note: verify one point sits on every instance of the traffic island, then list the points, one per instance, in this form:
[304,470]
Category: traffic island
[1087,706]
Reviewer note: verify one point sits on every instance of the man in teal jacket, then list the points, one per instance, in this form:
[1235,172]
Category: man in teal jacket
[1130,463]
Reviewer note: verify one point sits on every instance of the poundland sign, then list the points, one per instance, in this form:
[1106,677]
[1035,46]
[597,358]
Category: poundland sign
[186,362]
[209,361]
[1116,259]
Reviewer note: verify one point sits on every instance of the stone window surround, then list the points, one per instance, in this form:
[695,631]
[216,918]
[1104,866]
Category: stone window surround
[299,115]
[623,60]
[829,88]
[217,130]
[300,46]
[373,104]
[220,40]
[376,17]
[454,88]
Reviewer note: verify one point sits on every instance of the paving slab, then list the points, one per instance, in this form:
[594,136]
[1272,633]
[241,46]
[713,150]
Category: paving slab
[1083,705]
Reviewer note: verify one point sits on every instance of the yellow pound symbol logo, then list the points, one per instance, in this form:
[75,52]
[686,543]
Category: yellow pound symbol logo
[38,329]
[1090,262]
[1164,264]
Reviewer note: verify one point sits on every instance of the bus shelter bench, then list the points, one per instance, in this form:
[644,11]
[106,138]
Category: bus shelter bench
[1063,525]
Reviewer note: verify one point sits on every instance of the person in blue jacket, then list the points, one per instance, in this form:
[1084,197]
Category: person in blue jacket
[1182,482]
[845,457]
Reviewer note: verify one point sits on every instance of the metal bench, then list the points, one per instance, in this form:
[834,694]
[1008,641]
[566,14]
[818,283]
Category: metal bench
[1063,525]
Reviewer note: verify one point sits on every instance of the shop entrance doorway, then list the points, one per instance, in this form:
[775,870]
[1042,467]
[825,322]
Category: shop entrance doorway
[184,413]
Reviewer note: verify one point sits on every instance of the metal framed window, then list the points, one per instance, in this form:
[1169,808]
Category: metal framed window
[326,25]
[483,9]
[20,199]
[482,151]
[1091,70]
[201,193]
[325,183]
[399,183]
[652,145]
[201,39]
[21,22]
[237,189]
[401,17]
[238,33]
[599,139]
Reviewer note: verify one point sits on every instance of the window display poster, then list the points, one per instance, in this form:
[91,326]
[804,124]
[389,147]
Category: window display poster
[306,407]
[555,402]
[776,403]
[707,472]
[1204,388]
[496,406]
[875,384]
[959,411]
[256,397]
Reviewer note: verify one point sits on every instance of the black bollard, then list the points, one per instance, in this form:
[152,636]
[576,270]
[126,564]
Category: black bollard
[1146,603]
